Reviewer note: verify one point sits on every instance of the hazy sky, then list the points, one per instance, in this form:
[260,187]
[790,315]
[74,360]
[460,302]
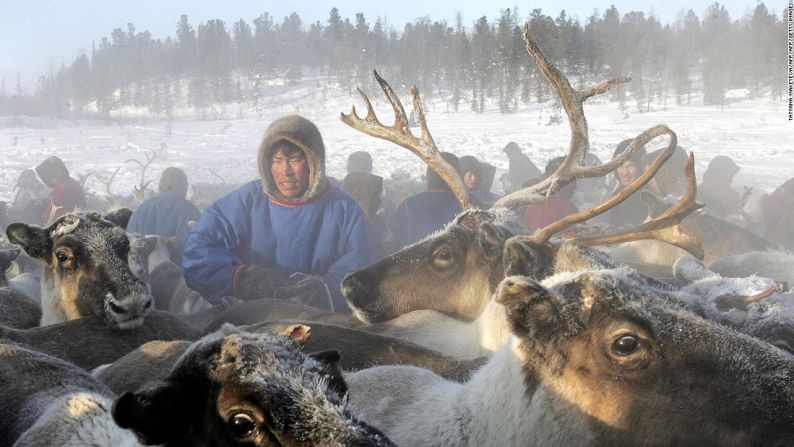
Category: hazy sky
[38,34]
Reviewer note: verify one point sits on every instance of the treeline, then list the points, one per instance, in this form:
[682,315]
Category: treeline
[484,65]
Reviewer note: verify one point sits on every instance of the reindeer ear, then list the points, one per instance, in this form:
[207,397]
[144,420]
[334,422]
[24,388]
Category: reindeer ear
[158,414]
[330,360]
[34,240]
[491,239]
[119,217]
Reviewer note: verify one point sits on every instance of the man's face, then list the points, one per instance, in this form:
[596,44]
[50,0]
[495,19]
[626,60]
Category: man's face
[290,173]
[627,172]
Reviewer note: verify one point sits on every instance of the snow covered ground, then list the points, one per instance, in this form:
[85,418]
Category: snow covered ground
[754,132]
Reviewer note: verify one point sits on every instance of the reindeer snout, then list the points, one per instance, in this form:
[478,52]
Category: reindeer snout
[352,287]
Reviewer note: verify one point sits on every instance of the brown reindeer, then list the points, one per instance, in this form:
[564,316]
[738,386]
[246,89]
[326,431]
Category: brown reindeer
[86,270]
[456,270]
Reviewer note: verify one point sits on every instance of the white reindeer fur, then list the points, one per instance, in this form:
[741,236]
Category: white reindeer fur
[416,407]
[454,337]
[76,420]
[778,265]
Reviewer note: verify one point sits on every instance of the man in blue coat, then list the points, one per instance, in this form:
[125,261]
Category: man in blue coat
[168,213]
[291,223]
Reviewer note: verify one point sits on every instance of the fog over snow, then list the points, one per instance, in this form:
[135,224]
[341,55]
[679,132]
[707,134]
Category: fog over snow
[754,132]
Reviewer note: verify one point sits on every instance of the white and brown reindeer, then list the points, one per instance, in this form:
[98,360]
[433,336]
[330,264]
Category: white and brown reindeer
[455,271]
[230,389]
[596,358]
[86,270]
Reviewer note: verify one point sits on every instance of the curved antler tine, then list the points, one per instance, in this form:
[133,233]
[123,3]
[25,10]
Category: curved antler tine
[638,142]
[400,134]
[371,116]
[572,102]
[400,119]
[420,117]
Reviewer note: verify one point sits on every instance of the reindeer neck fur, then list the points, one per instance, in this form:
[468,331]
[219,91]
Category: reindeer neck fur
[450,335]
[54,309]
[492,327]
[502,404]
[78,419]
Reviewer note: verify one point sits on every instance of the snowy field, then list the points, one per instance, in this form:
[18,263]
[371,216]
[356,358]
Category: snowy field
[754,132]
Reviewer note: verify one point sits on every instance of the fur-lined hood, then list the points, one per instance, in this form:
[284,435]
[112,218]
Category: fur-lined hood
[303,134]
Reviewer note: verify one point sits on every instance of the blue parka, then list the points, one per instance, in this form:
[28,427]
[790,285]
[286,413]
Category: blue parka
[323,232]
[166,214]
[422,214]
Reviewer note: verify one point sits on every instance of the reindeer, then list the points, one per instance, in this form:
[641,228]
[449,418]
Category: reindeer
[89,342]
[596,358]
[48,402]
[237,388]
[456,270]
[85,270]
[229,389]
[154,360]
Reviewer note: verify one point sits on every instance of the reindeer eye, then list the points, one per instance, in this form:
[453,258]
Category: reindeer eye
[63,256]
[241,425]
[625,345]
[443,256]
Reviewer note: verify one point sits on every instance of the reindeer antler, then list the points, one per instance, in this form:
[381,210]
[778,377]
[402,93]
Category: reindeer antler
[150,158]
[400,133]
[665,227]
[108,181]
[572,102]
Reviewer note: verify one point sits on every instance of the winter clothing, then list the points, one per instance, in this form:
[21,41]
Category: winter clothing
[166,214]
[322,232]
[28,199]
[520,169]
[715,191]
[542,214]
[422,214]
[304,134]
[632,211]
[66,196]
[359,161]
[366,190]
[777,205]
[175,180]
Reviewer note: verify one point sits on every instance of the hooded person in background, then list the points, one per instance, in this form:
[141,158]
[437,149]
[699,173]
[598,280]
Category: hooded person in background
[359,161]
[66,194]
[633,210]
[475,178]
[670,179]
[556,207]
[520,168]
[28,200]
[286,235]
[423,213]
[715,191]
[366,189]
[168,213]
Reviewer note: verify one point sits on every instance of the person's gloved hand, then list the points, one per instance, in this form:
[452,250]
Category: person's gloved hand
[306,289]
[257,282]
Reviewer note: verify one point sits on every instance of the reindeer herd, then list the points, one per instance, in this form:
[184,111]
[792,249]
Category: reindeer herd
[677,332]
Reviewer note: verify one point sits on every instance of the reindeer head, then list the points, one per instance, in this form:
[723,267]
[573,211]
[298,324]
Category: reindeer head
[236,388]
[454,271]
[85,270]
[641,370]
